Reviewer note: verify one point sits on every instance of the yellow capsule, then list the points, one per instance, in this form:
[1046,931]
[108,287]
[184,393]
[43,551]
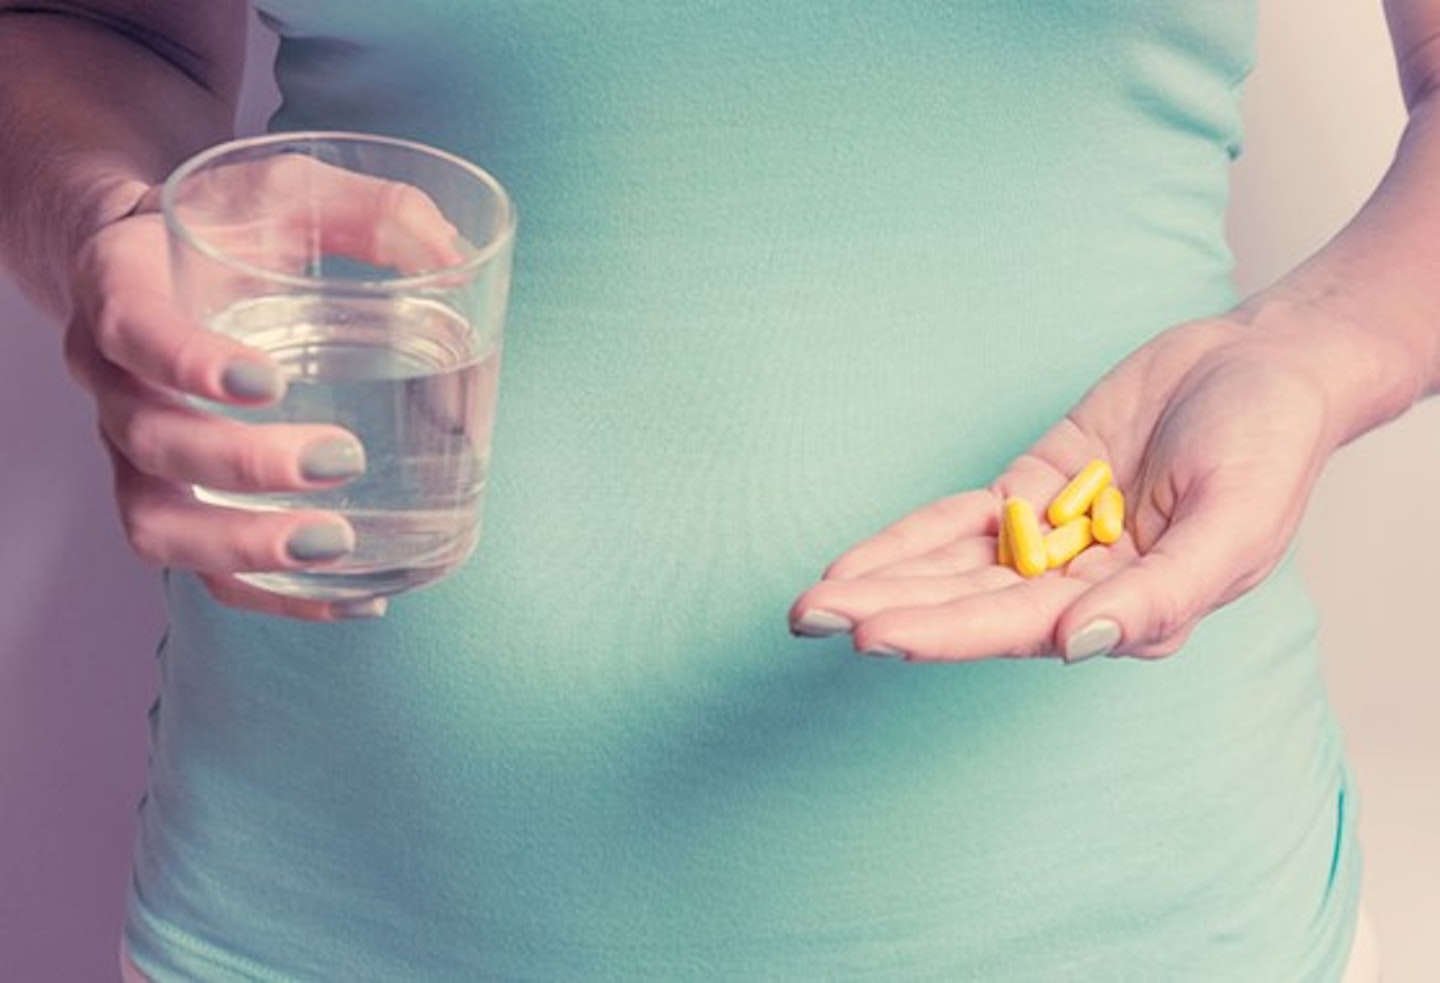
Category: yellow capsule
[1027,544]
[1075,498]
[1107,515]
[1064,544]
[1003,555]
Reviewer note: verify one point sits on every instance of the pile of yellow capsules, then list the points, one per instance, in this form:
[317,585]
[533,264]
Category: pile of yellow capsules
[1090,509]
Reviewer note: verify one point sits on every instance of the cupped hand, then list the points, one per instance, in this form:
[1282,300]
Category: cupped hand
[1216,434]
[140,357]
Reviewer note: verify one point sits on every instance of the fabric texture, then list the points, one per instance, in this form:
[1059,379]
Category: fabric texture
[784,272]
[1361,966]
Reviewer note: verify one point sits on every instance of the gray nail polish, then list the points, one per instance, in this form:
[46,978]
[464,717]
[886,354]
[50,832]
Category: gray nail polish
[883,652]
[320,541]
[370,607]
[1099,637]
[252,381]
[332,459]
[816,623]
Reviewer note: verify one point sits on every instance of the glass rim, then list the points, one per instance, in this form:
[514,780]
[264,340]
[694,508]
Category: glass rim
[472,263]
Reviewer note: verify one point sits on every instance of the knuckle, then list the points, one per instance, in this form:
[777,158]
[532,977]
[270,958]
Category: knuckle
[251,465]
[140,520]
[220,588]
[403,200]
[282,173]
[77,354]
[107,325]
[189,360]
[229,592]
[88,270]
[1035,645]
[1164,647]
[388,230]
[1253,576]
[144,534]
[1169,607]
[139,437]
[1167,618]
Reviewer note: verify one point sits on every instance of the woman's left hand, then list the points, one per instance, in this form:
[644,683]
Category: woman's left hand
[1216,432]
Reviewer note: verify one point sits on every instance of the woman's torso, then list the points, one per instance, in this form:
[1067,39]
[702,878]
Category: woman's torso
[784,272]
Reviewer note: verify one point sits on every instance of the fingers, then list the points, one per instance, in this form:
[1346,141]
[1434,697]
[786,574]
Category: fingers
[138,355]
[987,612]
[1148,607]
[125,317]
[960,516]
[1108,601]
[313,208]
[1013,621]
[385,223]
[834,606]
[949,532]
[238,594]
[167,526]
[162,437]
[951,559]
[390,223]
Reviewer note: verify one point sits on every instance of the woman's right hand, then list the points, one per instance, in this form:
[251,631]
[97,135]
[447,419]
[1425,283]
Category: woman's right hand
[140,357]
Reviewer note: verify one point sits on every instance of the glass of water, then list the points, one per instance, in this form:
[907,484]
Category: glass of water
[374,271]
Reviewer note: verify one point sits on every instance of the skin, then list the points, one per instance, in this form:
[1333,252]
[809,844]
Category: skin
[103,99]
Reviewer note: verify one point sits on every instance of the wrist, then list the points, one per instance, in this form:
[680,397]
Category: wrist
[47,245]
[1367,374]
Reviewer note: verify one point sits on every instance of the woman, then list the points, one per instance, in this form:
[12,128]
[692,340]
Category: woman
[782,275]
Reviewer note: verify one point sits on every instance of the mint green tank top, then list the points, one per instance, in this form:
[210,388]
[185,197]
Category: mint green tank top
[785,271]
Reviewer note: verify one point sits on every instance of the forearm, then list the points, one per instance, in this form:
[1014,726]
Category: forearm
[94,110]
[1364,311]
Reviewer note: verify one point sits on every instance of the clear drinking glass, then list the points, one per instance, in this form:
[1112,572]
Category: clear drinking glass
[375,272]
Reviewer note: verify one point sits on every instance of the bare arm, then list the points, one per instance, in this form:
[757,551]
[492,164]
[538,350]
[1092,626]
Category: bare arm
[1366,307]
[98,101]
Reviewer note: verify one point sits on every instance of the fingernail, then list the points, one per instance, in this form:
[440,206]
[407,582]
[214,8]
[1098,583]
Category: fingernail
[320,541]
[883,652]
[816,623]
[371,607]
[1096,638]
[332,459]
[252,381]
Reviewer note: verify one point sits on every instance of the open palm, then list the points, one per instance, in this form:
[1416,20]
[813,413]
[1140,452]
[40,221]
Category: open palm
[1216,435]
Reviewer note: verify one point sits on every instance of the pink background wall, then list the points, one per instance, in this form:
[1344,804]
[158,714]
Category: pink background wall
[79,622]
[79,619]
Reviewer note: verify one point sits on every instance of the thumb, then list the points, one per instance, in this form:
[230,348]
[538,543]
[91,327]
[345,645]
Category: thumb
[1210,552]
[148,203]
